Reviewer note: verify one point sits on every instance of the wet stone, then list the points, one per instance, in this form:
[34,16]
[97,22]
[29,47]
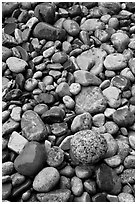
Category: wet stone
[120,82]
[120,41]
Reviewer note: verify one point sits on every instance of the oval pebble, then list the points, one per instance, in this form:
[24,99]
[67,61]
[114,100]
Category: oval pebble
[71,27]
[55,156]
[76,186]
[16,65]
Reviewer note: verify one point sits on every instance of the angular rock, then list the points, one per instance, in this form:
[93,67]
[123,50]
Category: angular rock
[61,195]
[32,126]
[16,65]
[31,160]
[91,100]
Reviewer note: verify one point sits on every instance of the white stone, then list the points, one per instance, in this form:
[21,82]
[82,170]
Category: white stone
[16,142]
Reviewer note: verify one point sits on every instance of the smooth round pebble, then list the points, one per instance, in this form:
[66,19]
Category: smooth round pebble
[16,65]
[30,84]
[69,102]
[75,88]
[126,197]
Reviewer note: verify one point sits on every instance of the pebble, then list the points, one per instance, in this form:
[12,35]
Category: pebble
[54,115]
[32,126]
[115,62]
[111,7]
[67,171]
[126,197]
[55,156]
[91,100]
[17,179]
[75,88]
[90,186]
[102,35]
[31,160]
[66,47]
[6,190]
[40,108]
[60,195]
[81,122]
[85,197]
[63,89]
[16,142]
[76,186]
[46,179]
[26,195]
[59,57]
[113,22]
[46,31]
[113,161]
[46,98]
[7,168]
[129,162]
[92,25]
[123,149]
[8,8]
[71,27]
[120,41]
[59,129]
[30,84]
[99,197]
[131,137]
[16,113]
[9,126]
[4,143]
[6,179]
[98,120]
[128,176]
[64,183]
[6,53]
[120,82]
[5,115]
[110,185]
[86,78]
[112,145]
[69,102]
[111,127]
[83,171]
[112,198]
[16,65]
[85,153]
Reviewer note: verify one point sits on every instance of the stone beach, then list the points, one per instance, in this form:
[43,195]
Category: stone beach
[68,101]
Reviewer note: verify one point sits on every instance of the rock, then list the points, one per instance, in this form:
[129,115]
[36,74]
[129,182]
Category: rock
[67,171]
[31,160]
[75,88]
[7,168]
[8,8]
[6,53]
[46,98]
[17,179]
[59,129]
[102,35]
[129,162]
[32,126]
[60,195]
[131,64]
[16,113]
[76,186]
[46,179]
[112,198]
[65,144]
[120,82]
[45,31]
[110,185]
[120,41]
[92,25]
[123,149]
[85,197]
[45,12]
[40,108]
[111,127]
[112,145]
[92,60]
[6,179]
[64,183]
[90,186]
[98,119]
[5,115]
[86,78]
[128,74]
[111,7]
[49,52]
[99,197]
[88,147]
[59,57]
[113,161]
[83,171]
[126,197]
[123,117]
[113,96]
[9,126]
[16,142]
[131,137]
[91,100]
[113,22]
[115,62]
[5,83]
[16,65]
[30,84]
[13,94]
[81,122]
[6,190]
[63,89]
[71,27]
[69,102]
[128,176]
[55,156]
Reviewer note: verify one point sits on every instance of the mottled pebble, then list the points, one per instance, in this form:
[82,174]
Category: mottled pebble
[76,186]
[126,197]
[7,168]
[55,156]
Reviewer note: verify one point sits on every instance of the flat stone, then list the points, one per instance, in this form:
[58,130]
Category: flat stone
[113,96]
[86,78]
[59,57]
[16,65]
[60,195]
[92,25]
[9,126]
[92,60]
[49,52]
[55,114]
[115,62]
[110,185]
[46,179]
[91,100]
[45,31]
[65,144]
[31,160]
[6,53]
[71,27]
[16,142]
[32,126]
[81,122]
[6,190]
[126,197]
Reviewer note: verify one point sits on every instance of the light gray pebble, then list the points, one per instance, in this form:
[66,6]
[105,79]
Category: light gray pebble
[16,113]
[75,88]
[126,197]
[98,119]
[76,186]
[113,161]
[7,168]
